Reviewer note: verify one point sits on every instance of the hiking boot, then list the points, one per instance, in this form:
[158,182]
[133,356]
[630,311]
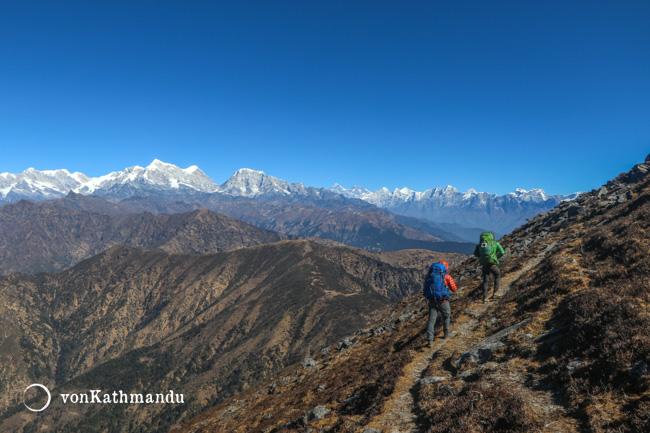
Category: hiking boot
[445,336]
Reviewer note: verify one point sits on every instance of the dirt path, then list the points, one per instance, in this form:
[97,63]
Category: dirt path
[399,414]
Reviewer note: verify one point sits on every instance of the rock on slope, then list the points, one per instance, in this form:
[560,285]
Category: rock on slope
[565,348]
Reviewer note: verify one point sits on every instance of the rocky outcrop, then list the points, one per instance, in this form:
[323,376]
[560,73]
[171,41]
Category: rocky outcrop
[481,352]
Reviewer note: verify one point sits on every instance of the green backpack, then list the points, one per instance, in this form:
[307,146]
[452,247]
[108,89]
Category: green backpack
[487,251]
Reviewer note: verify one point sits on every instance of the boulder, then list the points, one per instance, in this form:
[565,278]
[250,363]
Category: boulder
[574,365]
[481,352]
[639,369]
[430,380]
[346,343]
[316,414]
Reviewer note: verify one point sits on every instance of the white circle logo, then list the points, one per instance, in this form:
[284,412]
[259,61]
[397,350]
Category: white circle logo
[49,397]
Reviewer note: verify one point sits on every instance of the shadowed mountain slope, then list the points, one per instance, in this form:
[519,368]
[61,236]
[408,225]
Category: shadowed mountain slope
[206,326]
[564,347]
[53,235]
[348,221]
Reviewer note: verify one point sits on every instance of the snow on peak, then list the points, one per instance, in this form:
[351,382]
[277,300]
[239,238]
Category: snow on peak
[534,195]
[48,184]
[162,176]
[356,191]
[470,193]
[38,185]
[250,172]
[158,163]
[250,183]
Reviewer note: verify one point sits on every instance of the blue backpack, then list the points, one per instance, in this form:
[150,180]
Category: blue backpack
[434,286]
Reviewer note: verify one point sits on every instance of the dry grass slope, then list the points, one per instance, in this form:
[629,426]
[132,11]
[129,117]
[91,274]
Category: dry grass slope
[208,326]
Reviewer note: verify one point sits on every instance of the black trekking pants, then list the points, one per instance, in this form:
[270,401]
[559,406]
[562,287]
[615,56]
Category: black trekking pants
[487,270]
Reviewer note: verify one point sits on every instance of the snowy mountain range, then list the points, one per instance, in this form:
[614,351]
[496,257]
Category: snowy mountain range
[468,209]
[441,205]
[50,184]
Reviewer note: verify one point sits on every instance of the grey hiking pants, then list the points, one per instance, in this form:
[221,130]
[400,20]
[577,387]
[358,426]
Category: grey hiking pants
[487,270]
[444,310]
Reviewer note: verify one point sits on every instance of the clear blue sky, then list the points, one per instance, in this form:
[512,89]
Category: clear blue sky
[491,95]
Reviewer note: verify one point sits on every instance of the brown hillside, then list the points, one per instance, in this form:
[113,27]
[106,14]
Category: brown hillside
[207,326]
[53,235]
[369,229]
[565,347]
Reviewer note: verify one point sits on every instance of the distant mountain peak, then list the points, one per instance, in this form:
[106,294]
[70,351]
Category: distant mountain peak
[252,183]
[249,171]
[158,163]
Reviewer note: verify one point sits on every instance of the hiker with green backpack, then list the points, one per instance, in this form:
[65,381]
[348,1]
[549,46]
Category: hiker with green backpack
[488,252]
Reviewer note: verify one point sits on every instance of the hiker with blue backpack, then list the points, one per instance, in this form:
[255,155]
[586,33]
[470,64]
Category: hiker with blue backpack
[436,291]
[488,252]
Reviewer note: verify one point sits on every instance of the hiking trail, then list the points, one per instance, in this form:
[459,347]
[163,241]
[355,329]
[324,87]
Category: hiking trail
[399,414]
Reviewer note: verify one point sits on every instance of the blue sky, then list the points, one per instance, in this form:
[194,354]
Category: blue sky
[482,94]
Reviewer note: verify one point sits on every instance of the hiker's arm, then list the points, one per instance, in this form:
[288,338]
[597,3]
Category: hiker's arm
[476,251]
[500,250]
[450,282]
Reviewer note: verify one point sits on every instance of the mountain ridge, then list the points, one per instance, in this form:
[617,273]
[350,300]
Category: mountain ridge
[441,205]
[244,182]
[51,235]
[48,236]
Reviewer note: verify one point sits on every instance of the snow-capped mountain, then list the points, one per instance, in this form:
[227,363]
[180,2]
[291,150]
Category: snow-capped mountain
[39,185]
[447,195]
[385,198]
[468,209]
[166,181]
[48,184]
[251,183]
[158,174]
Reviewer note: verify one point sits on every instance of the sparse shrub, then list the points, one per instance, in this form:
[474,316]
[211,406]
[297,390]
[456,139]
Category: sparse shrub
[607,328]
[475,409]
[640,419]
